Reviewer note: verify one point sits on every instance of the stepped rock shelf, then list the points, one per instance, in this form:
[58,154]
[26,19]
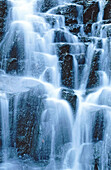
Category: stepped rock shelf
[55,85]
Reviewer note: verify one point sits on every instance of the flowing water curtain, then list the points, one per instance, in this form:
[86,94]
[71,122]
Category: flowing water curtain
[5,128]
[49,52]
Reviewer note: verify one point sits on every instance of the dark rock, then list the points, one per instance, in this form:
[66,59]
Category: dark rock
[88,28]
[73,16]
[62,48]
[99,127]
[70,13]
[29,109]
[75,28]
[90,16]
[13,53]
[93,80]
[60,36]
[4,9]
[102,26]
[66,69]
[107,11]
[71,97]
[91,13]
[48,4]
[54,20]
[77,49]
[81,60]
[68,53]
[63,36]
[25,113]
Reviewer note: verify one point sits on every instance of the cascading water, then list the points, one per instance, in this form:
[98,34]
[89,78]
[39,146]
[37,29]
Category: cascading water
[42,63]
[4,111]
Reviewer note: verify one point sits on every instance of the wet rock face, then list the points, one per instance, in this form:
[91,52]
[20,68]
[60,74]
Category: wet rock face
[60,36]
[29,109]
[93,80]
[16,61]
[4,8]
[67,53]
[67,74]
[90,15]
[48,4]
[91,12]
[25,115]
[99,127]
[13,58]
[107,11]
[69,11]
[71,97]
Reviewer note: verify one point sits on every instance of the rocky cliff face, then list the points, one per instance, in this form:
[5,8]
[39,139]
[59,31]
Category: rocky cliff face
[78,44]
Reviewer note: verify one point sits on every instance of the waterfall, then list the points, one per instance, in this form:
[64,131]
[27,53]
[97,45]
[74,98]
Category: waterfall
[4,113]
[55,104]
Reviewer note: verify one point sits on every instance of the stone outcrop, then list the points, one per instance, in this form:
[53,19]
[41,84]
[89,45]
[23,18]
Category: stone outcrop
[13,57]
[4,9]
[107,11]
[71,97]
[48,4]
[25,116]
[93,80]
[99,127]
[90,15]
